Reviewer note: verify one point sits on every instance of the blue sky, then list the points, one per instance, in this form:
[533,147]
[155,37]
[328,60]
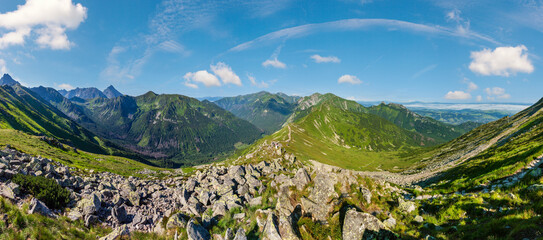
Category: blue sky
[434,51]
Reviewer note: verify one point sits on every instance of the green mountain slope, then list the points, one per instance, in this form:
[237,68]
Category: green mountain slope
[339,132]
[495,150]
[265,110]
[429,127]
[174,129]
[22,109]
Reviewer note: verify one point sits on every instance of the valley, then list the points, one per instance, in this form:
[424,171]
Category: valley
[162,166]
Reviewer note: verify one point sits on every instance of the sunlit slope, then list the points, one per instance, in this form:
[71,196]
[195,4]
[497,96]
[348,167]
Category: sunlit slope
[337,132]
[495,150]
[22,109]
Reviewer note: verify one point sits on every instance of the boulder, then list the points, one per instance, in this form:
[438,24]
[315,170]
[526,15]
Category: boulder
[286,229]
[197,232]
[89,205]
[240,234]
[121,232]
[255,201]
[229,234]
[271,230]
[419,219]
[366,194]
[356,224]
[119,214]
[407,206]
[37,206]
[134,198]
[301,179]
[7,191]
[176,220]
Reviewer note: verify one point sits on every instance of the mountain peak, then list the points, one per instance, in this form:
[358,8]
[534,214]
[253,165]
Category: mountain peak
[8,80]
[111,92]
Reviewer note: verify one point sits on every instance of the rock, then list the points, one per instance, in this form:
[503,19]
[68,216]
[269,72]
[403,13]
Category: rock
[7,192]
[271,230]
[219,209]
[229,234]
[286,229]
[119,214]
[176,220]
[159,228]
[239,216]
[37,206]
[134,198]
[118,233]
[407,206]
[197,232]
[89,205]
[390,223]
[255,201]
[240,234]
[301,179]
[90,219]
[419,219]
[366,194]
[321,194]
[356,224]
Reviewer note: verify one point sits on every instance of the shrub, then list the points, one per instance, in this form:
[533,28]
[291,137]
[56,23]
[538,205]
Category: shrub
[45,189]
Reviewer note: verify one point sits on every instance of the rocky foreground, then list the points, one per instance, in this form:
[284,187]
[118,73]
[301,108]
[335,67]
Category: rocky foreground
[276,194]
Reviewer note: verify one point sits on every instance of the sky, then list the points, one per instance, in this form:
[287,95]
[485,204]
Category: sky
[486,51]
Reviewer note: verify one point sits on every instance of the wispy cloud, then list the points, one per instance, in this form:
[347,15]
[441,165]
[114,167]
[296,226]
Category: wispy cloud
[117,72]
[330,59]
[65,86]
[273,61]
[358,24]
[423,71]
[254,82]
[457,95]
[3,67]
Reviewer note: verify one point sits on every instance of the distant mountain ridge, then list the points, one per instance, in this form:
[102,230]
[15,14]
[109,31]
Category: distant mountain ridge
[90,93]
[265,110]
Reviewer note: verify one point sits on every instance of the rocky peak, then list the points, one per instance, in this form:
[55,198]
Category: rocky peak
[111,92]
[8,80]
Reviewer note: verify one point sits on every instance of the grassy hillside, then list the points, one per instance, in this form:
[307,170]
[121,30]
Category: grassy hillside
[336,131]
[265,110]
[431,128]
[80,159]
[512,143]
[175,130]
[22,109]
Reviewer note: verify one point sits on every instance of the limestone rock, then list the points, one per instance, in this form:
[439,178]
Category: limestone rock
[197,232]
[356,224]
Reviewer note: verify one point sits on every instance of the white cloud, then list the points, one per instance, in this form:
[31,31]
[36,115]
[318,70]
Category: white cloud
[3,67]
[502,61]
[357,24]
[496,92]
[48,18]
[472,86]
[349,79]
[225,73]
[274,63]
[479,98]
[253,81]
[320,59]
[204,77]
[65,86]
[457,95]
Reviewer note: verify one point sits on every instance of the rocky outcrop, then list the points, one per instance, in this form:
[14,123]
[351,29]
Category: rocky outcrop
[359,225]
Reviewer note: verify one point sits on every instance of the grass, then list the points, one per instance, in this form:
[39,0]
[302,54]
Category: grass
[80,159]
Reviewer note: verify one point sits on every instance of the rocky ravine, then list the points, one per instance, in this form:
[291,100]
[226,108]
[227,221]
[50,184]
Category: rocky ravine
[198,201]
